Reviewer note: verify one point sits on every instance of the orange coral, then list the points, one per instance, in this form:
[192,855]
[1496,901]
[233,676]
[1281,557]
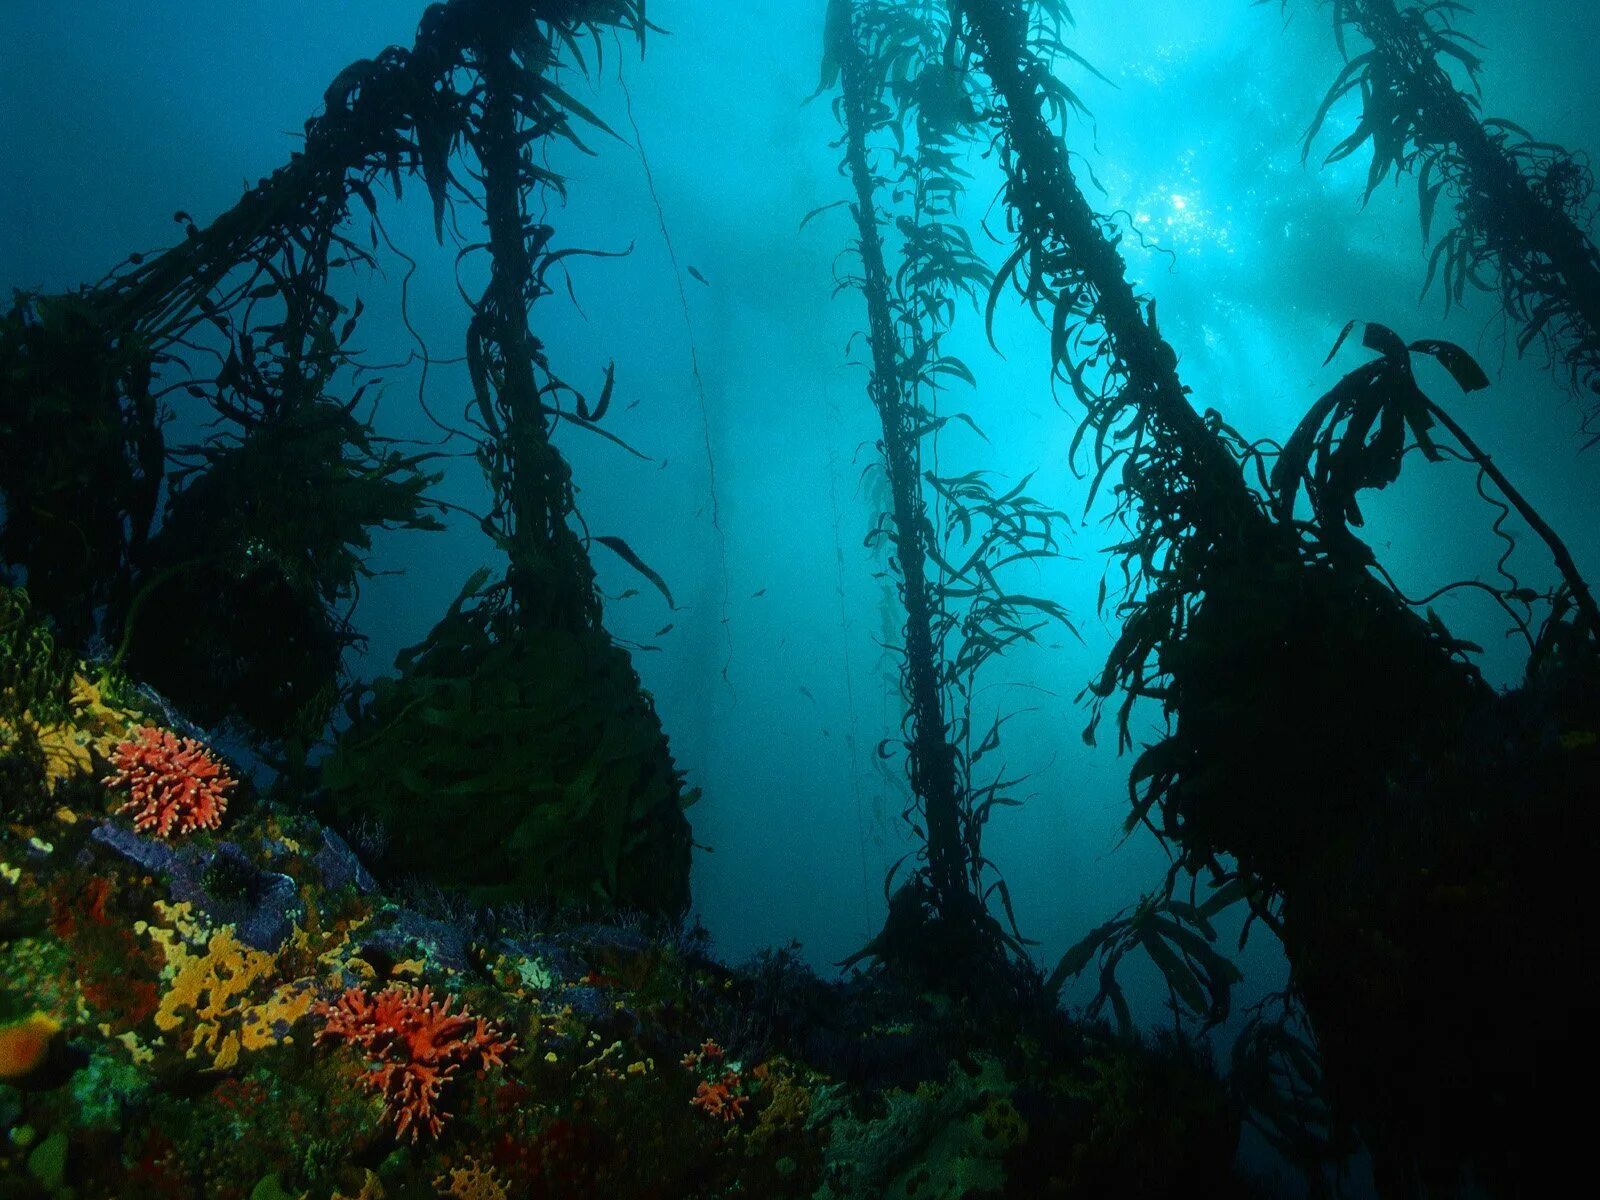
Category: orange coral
[721,1091]
[418,1045]
[708,1055]
[24,1044]
[175,784]
[721,1098]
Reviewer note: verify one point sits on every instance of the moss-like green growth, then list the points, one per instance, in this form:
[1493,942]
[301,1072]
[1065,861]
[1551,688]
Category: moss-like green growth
[81,455]
[941,1141]
[47,1162]
[35,671]
[24,794]
[270,1188]
[107,1088]
[518,763]
[237,612]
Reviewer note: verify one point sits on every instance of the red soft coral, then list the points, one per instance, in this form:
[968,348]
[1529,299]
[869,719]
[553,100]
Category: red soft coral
[417,1043]
[721,1089]
[722,1097]
[174,784]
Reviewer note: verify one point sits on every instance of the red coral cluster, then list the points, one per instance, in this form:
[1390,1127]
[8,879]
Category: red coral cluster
[721,1091]
[174,784]
[708,1055]
[722,1097]
[418,1045]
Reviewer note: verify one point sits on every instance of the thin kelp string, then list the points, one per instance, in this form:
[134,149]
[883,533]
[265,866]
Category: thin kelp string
[1497,527]
[423,354]
[694,370]
[846,625]
[1571,577]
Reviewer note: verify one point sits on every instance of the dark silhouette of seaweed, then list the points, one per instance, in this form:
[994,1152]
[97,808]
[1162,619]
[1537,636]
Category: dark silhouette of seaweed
[949,537]
[237,603]
[1523,208]
[1339,805]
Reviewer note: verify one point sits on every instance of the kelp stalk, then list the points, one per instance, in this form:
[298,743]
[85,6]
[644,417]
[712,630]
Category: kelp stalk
[517,755]
[932,757]
[552,582]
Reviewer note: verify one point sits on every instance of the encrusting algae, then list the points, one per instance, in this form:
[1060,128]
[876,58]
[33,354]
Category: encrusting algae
[93,727]
[227,990]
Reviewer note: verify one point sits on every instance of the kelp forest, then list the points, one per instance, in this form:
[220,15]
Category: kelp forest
[294,906]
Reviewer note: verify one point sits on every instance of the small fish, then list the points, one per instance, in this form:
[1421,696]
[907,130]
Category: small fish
[664,630]
[664,463]
[693,274]
[629,594]
[758,595]
[806,692]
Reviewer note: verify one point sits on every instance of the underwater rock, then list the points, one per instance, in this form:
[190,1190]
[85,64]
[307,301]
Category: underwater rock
[618,938]
[264,906]
[888,1058]
[590,1003]
[171,717]
[406,933]
[222,883]
[542,965]
[339,867]
[155,857]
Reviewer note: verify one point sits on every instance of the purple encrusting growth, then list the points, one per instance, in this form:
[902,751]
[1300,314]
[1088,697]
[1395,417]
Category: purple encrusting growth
[264,914]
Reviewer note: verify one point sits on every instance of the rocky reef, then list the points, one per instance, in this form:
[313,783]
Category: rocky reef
[205,993]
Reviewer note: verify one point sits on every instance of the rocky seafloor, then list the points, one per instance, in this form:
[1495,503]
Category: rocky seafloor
[244,1012]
